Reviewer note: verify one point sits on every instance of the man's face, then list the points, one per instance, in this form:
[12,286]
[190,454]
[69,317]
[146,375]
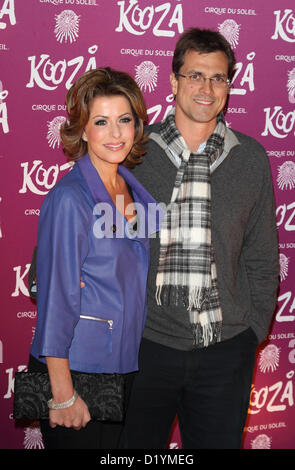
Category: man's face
[200,102]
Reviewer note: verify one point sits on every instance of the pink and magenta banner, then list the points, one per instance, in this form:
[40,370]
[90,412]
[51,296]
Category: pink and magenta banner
[45,45]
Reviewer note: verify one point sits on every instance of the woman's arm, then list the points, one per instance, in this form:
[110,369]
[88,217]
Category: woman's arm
[62,246]
[76,415]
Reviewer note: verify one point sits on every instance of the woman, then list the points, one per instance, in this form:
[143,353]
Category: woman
[87,230]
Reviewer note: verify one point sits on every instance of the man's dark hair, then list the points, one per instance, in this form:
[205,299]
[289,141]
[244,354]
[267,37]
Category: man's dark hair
[203,41]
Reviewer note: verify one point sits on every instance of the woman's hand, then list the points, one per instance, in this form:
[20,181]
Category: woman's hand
[76,416]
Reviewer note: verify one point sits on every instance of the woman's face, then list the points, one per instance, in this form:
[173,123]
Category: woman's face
[110,130]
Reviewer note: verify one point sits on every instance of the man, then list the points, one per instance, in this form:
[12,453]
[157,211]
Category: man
[214,267]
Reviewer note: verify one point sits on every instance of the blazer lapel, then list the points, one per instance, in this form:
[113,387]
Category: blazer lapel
[149,213]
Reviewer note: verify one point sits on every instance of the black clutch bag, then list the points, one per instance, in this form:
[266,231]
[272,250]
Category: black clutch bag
[102,393]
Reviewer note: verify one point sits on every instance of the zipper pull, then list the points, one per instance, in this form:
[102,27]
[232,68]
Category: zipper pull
[110,322]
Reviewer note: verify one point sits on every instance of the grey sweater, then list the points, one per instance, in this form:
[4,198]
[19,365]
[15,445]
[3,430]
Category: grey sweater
[244,235]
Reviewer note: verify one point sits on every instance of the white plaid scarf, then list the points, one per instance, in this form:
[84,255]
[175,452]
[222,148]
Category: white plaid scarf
[187,271]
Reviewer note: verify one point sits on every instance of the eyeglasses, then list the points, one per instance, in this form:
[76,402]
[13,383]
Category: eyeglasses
[197,78]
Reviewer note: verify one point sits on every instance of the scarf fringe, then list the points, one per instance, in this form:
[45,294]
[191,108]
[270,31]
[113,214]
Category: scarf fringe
[182,295]
[206,335]
[205,332]
[167,294]
[197,297]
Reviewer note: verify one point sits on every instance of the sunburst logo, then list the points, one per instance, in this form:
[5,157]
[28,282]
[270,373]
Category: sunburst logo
[230,29]
[286,175]
[146,75]
[284,265]
[67,26]
[33,438]
[291,85]
[269,358]
[261,442]
[53,134]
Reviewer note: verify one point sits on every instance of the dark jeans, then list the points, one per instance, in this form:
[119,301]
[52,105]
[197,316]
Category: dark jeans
[96,434]
[207,388]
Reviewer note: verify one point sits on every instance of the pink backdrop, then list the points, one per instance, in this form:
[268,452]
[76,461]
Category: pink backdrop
[44,46]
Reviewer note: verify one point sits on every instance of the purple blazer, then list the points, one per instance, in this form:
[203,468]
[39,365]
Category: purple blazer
[81,234]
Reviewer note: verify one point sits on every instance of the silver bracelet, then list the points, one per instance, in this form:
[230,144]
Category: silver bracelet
[66,404]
